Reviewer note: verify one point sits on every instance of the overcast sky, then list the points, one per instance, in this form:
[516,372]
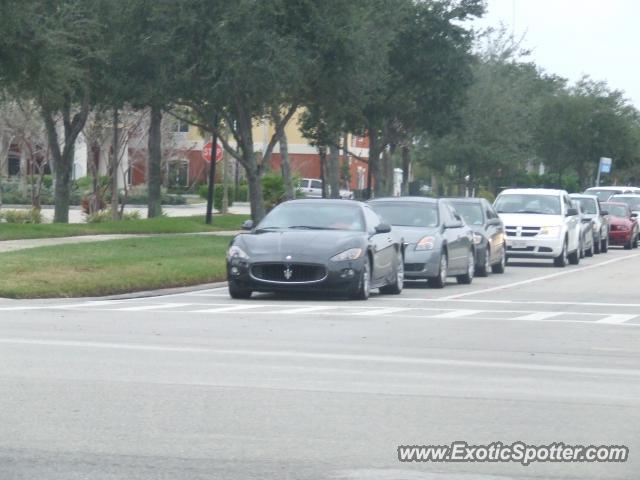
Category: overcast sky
[575,37]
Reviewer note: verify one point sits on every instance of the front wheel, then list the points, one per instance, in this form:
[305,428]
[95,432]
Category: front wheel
[441,280]
[364,285]
[483,271]
[562,259]
[597,244]
[635,242]
[604,245]
[500,267]
[396,287]
[467,278]
[237,292]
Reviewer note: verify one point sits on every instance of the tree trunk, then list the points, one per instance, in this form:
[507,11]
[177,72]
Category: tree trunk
[333,171]
[285,167]
[114,167]
[322,152]
[374,166]
[154,173]
[406,169]
[387,177]
[255,196]
[225,183]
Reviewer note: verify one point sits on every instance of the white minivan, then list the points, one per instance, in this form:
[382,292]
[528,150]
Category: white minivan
[540,223]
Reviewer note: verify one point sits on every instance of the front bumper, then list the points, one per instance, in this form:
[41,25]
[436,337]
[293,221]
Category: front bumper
[534,247]
[341,277]
[419,265]
[619,237]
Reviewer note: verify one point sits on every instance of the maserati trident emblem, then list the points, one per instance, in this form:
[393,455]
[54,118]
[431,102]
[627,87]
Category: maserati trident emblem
[288,273]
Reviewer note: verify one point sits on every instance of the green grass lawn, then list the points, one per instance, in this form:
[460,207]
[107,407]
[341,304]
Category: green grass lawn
[10,231]
[111,267]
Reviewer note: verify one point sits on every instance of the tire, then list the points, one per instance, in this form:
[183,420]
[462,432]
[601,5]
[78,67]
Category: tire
[635,242]
[604,245]
[581,249]
[467,278]
[574,257]
[396,287]
[562,260]
[441,280]
[238,292]
[629,244]
[364,284]
[483,271]
[597,242]
[500,267]
[589,252]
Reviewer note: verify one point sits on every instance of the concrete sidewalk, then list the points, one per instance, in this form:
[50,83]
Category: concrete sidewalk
[14,245]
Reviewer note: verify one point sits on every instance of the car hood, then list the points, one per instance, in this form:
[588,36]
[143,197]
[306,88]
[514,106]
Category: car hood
[620,221]
[530,220]
[301,245]
[414,234]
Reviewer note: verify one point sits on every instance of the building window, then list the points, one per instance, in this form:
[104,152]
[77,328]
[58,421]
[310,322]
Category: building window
[180,126]
[14,166]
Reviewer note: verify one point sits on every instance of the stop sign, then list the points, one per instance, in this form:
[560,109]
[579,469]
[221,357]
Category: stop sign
[206,152]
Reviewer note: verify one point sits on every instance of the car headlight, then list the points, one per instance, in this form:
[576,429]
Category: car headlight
[425,243]
[477,238]
[351,254]
[623,228]
[236,252]
[553,231]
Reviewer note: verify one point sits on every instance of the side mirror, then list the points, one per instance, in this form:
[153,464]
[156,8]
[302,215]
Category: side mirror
[572,212]
[383,228]
[247,225]
[454,224]
[634,215]
[604,213]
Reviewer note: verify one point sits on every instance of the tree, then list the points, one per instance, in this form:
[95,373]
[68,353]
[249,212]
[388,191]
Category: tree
[584,123]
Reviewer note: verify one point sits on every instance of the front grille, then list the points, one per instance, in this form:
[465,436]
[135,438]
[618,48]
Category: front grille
[528,249]
[413,267]
[524,231]
[288,273]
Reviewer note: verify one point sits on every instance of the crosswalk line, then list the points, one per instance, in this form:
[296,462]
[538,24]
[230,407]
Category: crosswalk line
[160,306]
[538,316]
[232,308]
[616,319]
[293,311]
[380,311]
[457,314]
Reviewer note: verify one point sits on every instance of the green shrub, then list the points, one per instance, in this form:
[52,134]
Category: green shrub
[486,194]
[105,216]
[47,181]
[203,191]
[21,216]
[242,193]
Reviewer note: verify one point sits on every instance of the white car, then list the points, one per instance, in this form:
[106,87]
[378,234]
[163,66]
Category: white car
[540,223]
[592,209]
[312,188]
[604,193]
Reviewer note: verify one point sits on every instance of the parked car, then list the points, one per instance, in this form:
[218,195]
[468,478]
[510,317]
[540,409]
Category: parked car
[312,188]
[488,234]
[592,208]
[336,246]
[586,233]
[540,223]
[623,225]
[631,199]
[604,193]
[438,244]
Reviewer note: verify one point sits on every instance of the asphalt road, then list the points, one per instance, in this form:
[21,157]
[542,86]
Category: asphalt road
[198,386]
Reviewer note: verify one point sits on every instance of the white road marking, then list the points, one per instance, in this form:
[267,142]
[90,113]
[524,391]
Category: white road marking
[381,311]
[61,306]
[617,319]
[232,308]
[159,306]
[539,279]
[457,314]
[303,310]
[539,316]
[343,357]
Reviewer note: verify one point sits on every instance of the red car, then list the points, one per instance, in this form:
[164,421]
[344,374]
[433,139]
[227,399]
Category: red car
[623,225]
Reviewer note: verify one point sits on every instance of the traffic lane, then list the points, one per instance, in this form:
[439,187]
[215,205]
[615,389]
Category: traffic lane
[284,412]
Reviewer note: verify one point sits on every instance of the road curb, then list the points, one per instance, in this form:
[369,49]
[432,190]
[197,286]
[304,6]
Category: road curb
[161,292]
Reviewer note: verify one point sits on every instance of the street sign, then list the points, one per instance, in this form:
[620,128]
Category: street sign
[206,152]
[605,165]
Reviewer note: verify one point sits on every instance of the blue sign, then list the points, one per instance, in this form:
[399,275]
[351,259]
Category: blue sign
[605,165]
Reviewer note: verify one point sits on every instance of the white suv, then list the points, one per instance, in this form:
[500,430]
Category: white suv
[540,223]
[312,188]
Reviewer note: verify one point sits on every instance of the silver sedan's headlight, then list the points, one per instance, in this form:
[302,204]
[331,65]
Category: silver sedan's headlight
[351,254]
[236,252]
[426,243]
[477,238]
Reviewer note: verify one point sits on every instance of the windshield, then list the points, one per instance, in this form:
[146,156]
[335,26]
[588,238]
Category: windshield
[470,212]
[614,210]
[587,205]
[633,202]
[528,203]
[603,195]
[314,216]
[408,214]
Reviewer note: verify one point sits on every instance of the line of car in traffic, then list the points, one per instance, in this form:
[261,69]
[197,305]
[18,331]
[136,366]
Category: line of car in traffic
[348,248]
